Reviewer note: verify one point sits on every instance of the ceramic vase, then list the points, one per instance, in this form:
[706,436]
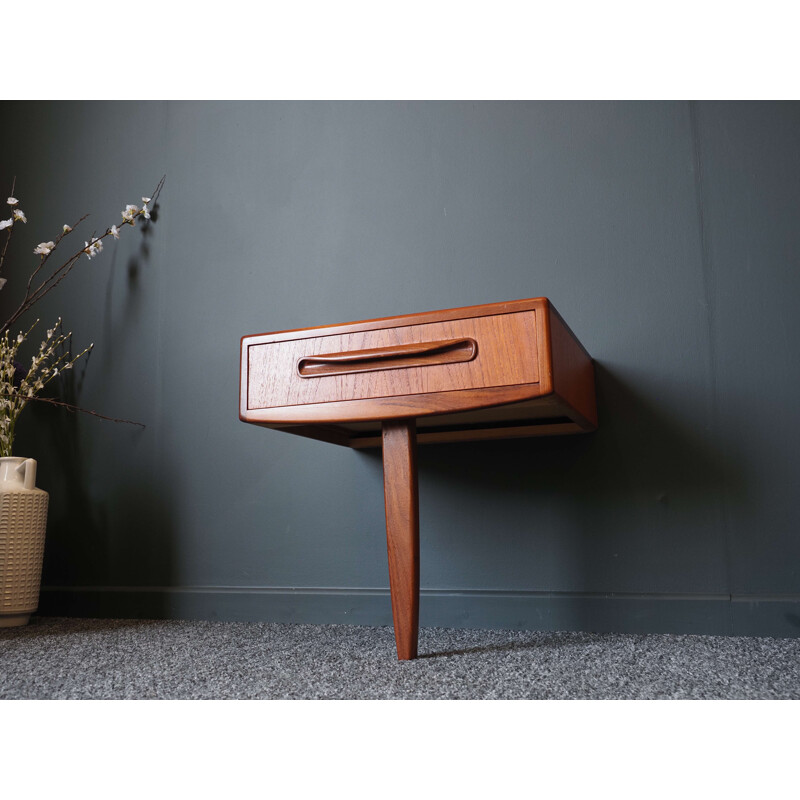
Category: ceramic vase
[23,520]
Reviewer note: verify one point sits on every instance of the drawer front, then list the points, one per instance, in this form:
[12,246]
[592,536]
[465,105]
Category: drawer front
[473,353]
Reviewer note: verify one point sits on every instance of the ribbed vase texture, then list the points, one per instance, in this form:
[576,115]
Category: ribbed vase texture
[23,520]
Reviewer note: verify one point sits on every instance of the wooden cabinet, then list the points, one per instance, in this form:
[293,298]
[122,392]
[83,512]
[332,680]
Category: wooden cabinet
[494,371]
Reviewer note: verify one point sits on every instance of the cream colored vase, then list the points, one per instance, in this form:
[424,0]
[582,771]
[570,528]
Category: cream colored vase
[23,519]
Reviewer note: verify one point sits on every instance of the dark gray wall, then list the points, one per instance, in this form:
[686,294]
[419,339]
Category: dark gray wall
[667,235]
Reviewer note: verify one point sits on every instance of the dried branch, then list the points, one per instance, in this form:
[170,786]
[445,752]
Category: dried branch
[33,296]
[8,237]
[72,408]
[47,364]
[43,261]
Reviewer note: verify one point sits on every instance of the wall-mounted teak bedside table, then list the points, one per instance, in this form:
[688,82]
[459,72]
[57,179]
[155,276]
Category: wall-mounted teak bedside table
[496,371]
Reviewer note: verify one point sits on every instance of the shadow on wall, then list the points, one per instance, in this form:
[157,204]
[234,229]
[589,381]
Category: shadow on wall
[102,536]
[638,450]
[135,266]
[635,507]
[104,530]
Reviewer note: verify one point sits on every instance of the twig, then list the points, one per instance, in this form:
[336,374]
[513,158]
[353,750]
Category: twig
[72,408]
[8,238]
[43,261]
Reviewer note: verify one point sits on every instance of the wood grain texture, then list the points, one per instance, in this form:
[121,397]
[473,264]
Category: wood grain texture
[506,356]
[402,531]
[380,408]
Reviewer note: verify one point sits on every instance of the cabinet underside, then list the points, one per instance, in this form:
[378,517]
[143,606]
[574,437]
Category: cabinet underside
[543,416]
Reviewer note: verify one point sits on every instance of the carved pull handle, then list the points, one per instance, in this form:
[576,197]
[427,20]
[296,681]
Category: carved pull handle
[402,356]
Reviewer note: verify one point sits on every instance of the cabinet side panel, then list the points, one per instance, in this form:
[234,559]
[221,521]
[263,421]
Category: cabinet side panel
[573,370]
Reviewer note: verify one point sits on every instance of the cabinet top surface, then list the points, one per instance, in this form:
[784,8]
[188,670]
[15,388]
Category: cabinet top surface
[464,312]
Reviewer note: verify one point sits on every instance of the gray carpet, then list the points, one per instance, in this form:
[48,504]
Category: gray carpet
[55,658]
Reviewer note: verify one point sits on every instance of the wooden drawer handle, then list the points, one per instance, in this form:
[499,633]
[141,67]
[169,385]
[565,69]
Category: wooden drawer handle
[402,356]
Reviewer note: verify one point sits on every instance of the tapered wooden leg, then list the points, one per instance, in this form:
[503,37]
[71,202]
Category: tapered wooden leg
[402,530]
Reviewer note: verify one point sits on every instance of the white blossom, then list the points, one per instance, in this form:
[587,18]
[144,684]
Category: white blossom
[129,213]
[67,229]
[114,231]
[12,201]
[92,249]
[145,212]
[20,215]
[145,199]
[6,223]
[44,248]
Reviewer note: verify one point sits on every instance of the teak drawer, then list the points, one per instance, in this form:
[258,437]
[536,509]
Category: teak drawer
[491,371]
[473,353]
